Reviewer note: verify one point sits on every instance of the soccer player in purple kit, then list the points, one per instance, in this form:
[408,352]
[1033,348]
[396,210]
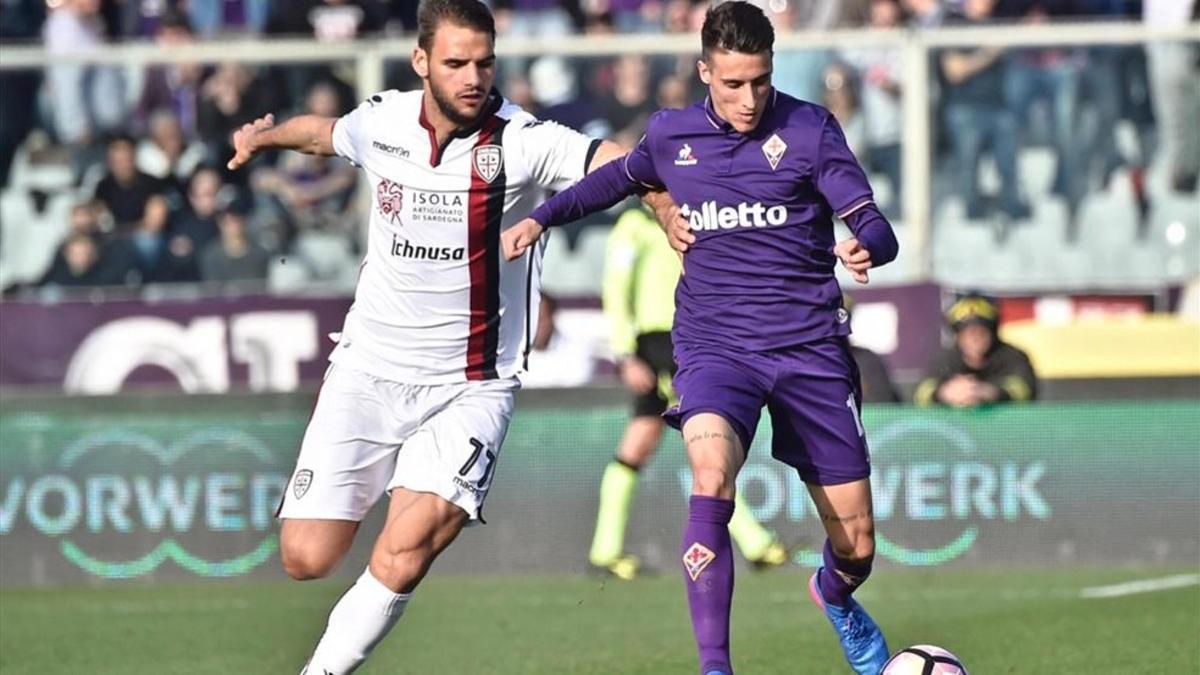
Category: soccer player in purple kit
[758,176]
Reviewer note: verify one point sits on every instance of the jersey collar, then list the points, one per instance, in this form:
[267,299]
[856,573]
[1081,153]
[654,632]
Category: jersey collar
[718,123]
[493,104]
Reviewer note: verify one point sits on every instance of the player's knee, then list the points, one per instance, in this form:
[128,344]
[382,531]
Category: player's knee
[713,482]
[304,563]
[401,570]
[858,547]
[635,456]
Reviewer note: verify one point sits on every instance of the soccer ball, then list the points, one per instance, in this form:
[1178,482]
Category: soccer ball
[923,660]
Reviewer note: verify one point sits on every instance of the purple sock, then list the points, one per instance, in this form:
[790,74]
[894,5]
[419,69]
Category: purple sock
[708,574]
[839,577]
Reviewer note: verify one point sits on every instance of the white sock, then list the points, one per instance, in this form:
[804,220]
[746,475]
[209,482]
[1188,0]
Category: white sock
[359,620]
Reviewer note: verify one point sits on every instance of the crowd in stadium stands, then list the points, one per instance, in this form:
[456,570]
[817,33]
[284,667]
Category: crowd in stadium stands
[147,152]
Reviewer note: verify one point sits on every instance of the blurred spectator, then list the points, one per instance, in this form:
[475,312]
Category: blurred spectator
[231,97]
[1051,76]
[976,117]
[631,102]
[310,191]
[87,100]
[20,20]
[925,14]
[1175,91]
[798,72]
[519,91]
[124,190]
[174,87]
[234,256]
[327,20]
[139,19]
[980,368]
[217,17]
[556,90]
[80,256]
[840,99]
[192,228]
[672,93]
[166,154]
[533,18]
[115,260]
[630,16]
[149,238]
[880,71]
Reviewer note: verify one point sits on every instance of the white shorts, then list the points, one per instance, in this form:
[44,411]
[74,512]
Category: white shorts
[368,436]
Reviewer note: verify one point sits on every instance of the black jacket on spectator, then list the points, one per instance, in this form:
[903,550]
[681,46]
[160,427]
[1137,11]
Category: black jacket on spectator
[877,385]
[127,203]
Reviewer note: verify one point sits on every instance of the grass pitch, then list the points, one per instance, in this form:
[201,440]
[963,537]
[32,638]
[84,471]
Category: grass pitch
[997,622]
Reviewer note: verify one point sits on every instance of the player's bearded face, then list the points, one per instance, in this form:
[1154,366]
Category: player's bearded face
[459,70]
[739,86]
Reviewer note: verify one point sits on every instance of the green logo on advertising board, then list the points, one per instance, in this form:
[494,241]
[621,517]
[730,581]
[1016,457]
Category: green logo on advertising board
[924,472]
[112,492]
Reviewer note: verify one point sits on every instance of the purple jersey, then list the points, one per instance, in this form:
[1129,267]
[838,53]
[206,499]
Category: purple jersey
[760,275]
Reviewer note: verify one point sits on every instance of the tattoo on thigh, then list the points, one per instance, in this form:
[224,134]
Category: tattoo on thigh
[708,435]
[835,518]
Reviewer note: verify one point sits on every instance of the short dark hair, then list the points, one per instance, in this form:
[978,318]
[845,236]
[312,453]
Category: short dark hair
[465,13]
[736,26]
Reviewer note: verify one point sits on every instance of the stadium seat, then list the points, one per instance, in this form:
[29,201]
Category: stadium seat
[327,257]
[1175,227]
[1107,219]
[1035,171]
[961,248]
[283,277]
[1032,247]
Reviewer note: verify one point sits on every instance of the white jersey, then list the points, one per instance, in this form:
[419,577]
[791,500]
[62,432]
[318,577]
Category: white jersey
[436,301]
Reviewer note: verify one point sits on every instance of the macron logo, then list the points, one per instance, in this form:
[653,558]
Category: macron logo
[712,217]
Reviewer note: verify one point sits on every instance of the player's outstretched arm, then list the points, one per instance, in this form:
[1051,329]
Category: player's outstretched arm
[310,134]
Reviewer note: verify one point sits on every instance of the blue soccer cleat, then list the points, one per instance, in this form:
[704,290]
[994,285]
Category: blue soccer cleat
[862,641]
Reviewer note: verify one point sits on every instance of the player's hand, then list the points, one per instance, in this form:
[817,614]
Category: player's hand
[666,211]
[855,258]
[245,141]
[518,238]
[637,375]
[959,392]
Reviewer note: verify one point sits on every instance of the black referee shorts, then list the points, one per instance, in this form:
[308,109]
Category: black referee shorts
[656,350]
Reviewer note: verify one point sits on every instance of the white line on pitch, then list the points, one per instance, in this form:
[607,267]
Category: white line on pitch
[1141,586]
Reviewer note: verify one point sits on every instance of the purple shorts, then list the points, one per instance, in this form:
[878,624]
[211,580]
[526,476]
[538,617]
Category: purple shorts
[812,392]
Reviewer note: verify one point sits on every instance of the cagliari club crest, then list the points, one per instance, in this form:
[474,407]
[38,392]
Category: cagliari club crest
[489,161]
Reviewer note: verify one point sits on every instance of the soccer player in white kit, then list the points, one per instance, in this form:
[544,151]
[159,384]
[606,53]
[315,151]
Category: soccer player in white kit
[419,393]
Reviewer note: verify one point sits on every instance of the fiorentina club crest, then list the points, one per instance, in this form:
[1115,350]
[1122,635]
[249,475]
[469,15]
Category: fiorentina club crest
[774,149]
[698,557]
[389,197]
[489,161]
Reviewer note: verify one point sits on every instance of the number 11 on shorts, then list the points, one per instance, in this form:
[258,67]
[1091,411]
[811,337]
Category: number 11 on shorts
[853,406]
[470,463]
